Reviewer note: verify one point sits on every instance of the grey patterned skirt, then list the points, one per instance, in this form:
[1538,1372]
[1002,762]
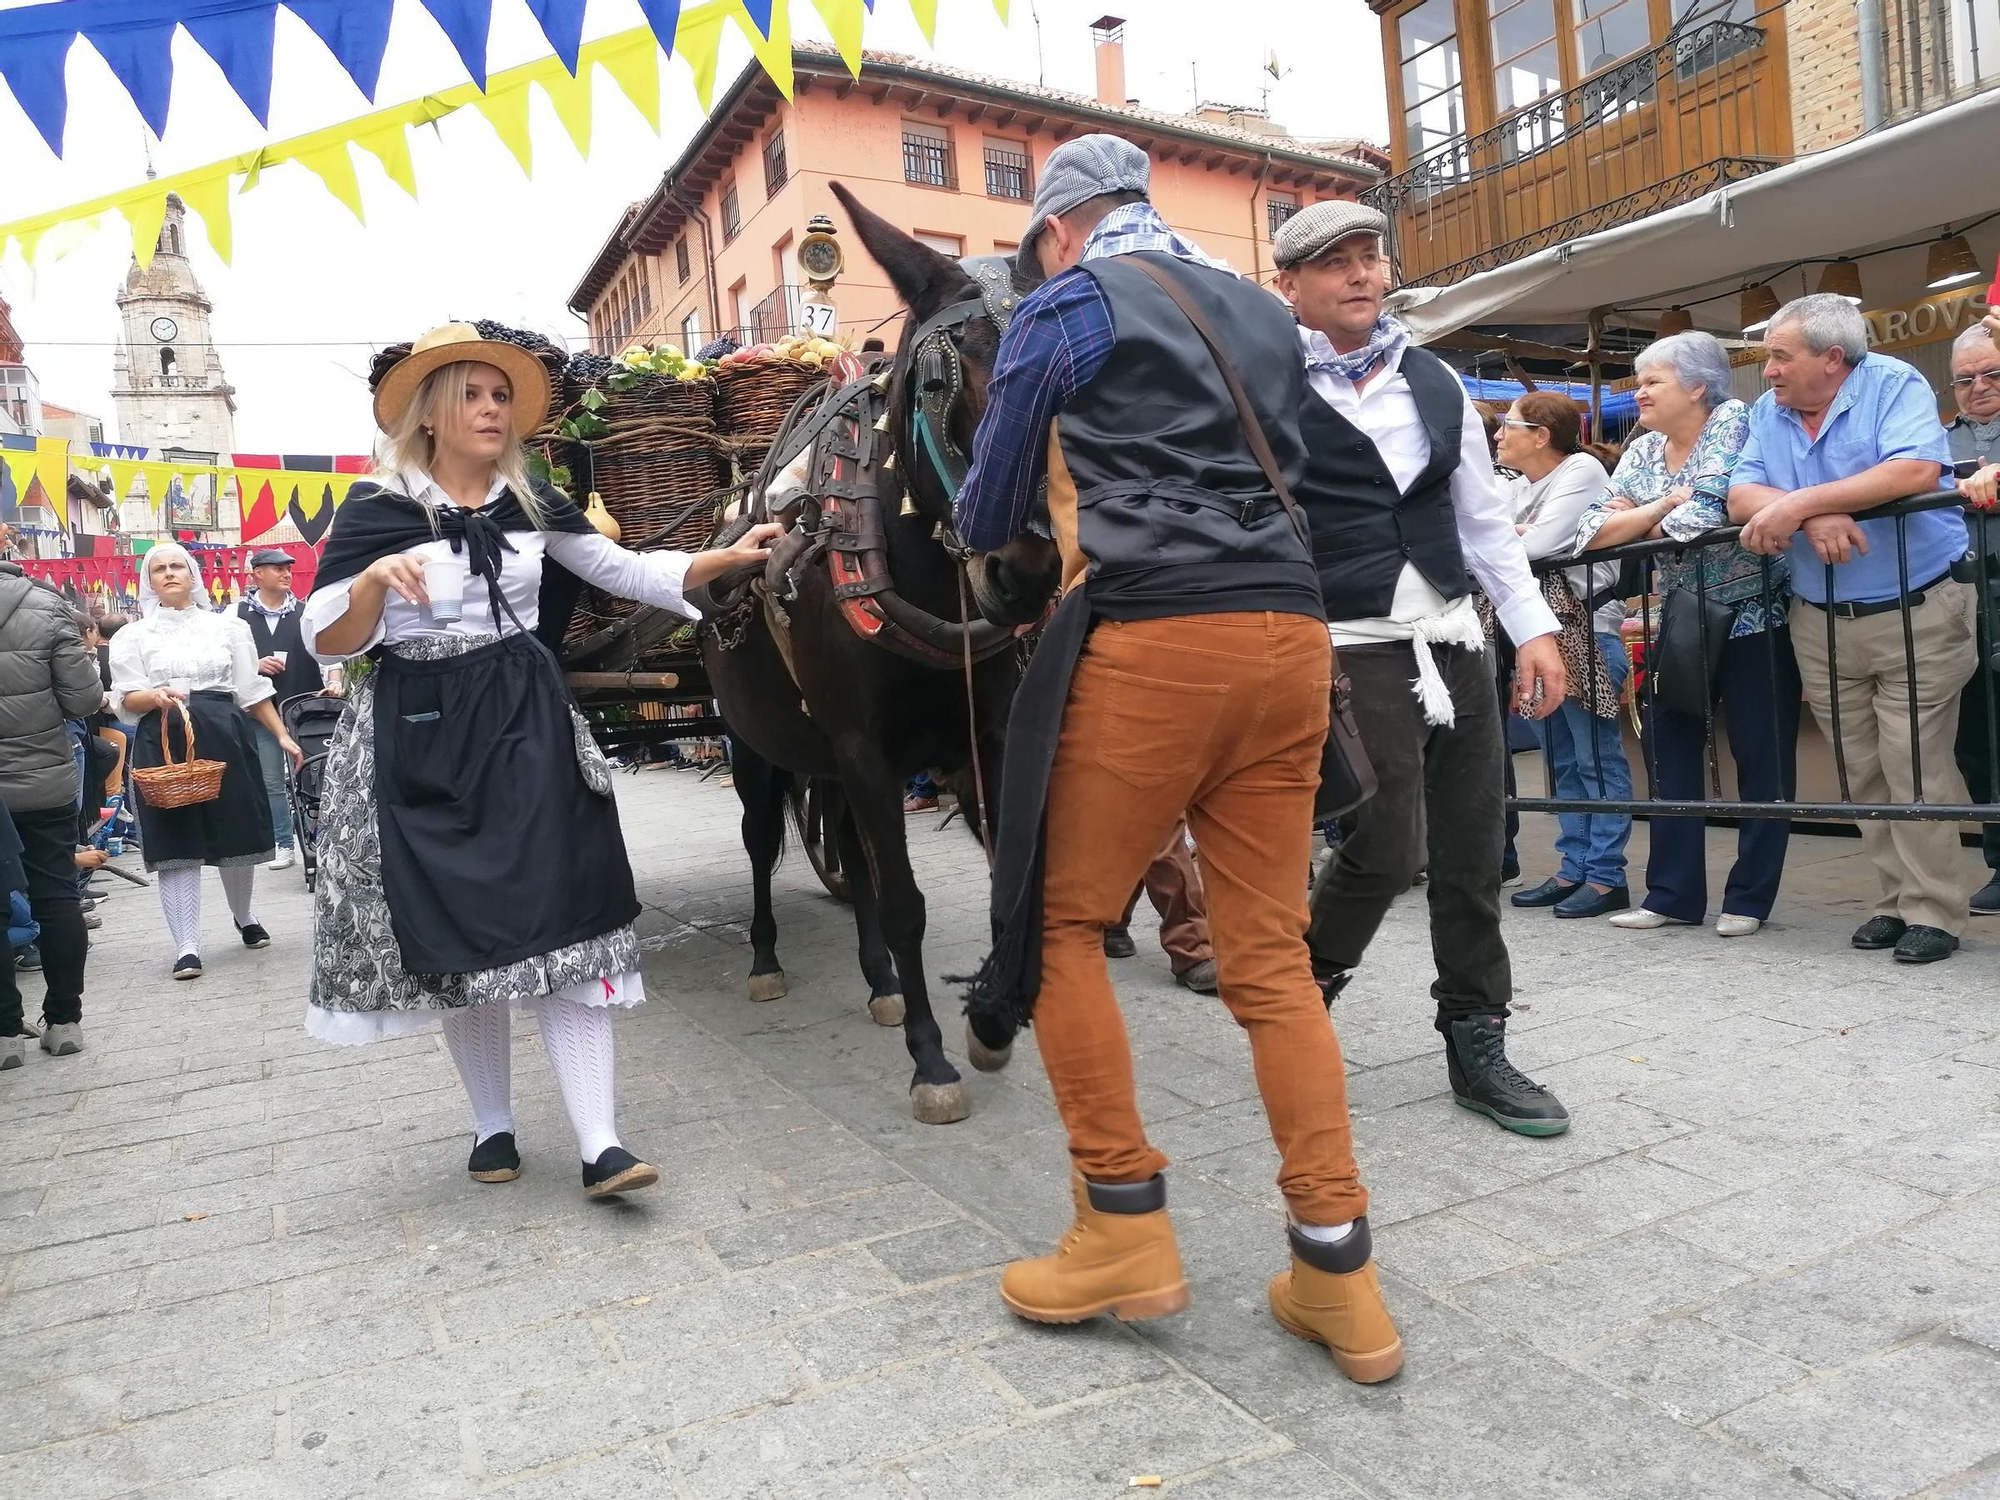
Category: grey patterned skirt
[360,991]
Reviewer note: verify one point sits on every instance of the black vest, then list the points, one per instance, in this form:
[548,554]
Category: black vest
[1172,510]
[301,674]
[1363,528]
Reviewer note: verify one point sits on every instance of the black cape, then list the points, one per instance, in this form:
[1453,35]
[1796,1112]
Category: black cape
[375,523]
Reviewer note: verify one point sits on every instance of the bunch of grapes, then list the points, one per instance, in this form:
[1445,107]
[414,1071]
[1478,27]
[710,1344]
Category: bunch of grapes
[394,355]
[551,354]
[589,369]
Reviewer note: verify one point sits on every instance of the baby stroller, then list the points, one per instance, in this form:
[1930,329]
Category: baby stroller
[310,720]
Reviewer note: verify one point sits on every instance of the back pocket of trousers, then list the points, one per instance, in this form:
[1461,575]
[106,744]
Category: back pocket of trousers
[1154,730]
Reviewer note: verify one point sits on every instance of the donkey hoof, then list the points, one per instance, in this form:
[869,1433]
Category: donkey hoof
[886,1010]
[939,1103]
[983,1057]
[768,986]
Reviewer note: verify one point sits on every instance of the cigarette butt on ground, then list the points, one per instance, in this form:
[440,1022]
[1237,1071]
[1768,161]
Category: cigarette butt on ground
[1144,1482]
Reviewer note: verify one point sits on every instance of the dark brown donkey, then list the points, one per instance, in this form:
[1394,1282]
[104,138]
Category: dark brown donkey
[847,660]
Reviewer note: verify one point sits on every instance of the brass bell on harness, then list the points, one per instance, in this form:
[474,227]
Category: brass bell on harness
[909,506]
[882,422]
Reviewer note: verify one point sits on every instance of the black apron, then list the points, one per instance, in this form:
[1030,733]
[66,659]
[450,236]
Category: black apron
[234,827]
[494,847]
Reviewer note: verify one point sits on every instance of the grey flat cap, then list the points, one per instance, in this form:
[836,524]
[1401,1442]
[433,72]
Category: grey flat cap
[271,557]
[1311,232]
[1079,170]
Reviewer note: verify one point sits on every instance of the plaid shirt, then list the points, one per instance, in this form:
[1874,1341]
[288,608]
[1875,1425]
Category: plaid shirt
[1061,336]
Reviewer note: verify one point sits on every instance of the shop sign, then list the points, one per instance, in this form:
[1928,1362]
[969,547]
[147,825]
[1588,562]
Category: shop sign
[1942,315]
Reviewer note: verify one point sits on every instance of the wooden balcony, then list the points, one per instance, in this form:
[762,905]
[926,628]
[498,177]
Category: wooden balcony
[1659,128]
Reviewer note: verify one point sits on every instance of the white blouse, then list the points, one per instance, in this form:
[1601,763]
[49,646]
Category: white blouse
[656,578]
[193,649]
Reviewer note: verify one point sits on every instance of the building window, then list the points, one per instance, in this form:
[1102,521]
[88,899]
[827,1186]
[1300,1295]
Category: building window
[1009,172]
[927,155]
[681,268]
[775,171]
[732,214]
[167,363]
[1433,84]
[691,332]
[944,244]
[1526,61]
[1279,207]
[1607,30]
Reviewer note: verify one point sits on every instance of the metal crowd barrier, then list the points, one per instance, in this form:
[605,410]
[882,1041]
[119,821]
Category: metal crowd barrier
[1984,569]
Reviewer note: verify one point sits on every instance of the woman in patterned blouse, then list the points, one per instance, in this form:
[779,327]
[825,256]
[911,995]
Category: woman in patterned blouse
[1673,481]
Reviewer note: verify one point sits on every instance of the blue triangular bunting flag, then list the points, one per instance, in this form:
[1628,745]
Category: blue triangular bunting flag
[240,43]
[759,12]
[143,60]
[562,24]
[356,32]
[466,22]
[33,68]
[664,16]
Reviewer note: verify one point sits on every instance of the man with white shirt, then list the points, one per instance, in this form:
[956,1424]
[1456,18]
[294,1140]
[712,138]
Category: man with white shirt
[1406,521]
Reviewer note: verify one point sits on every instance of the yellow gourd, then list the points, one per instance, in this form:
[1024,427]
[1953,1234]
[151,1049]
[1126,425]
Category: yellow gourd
[602,519]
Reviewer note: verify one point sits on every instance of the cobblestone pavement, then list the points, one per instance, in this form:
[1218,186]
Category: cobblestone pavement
[1765,1262]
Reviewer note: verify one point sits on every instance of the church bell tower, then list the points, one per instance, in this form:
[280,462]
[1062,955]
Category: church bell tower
[168,390]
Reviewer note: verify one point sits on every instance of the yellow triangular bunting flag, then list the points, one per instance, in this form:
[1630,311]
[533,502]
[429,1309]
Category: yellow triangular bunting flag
[926,13]
[52,467]
[332,165]
[506,110]
[698,40]
[636,71]
[843,22]
[123,476]
[20,466]
[773,52]
[210,198]
[571,99]
[391,147]
[145,210]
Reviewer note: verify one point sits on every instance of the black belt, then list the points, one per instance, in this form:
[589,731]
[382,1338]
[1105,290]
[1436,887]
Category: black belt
[1854,611]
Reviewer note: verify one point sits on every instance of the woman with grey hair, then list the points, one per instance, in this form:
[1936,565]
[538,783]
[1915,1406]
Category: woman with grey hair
[1673,481]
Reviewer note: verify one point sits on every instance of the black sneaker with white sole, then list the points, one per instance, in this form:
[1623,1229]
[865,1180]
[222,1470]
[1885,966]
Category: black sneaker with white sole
[494,1159]
[254,935]
[188,966]
[617,1171]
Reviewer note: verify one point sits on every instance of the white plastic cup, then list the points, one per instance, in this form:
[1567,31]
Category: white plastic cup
[446,587]
[282,657]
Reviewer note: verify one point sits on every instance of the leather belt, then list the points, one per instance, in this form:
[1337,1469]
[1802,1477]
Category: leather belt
[1856,611]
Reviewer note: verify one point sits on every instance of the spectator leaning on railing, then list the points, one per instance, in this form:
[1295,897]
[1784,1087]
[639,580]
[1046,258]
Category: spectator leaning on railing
[1674,482]
[1541,439]
[1975,438]
[1840,432]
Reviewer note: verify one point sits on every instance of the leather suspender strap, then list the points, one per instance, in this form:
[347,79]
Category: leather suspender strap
[1253,430]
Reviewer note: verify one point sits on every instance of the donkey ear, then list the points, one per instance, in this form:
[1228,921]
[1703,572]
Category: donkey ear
[925,279]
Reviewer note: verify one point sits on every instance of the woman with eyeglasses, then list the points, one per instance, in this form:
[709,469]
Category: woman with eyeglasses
[1674,482]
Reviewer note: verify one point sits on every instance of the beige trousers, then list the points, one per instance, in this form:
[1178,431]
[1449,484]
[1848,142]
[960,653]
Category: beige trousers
[1926,876]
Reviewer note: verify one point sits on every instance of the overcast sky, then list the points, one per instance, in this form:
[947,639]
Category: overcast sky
[312,292]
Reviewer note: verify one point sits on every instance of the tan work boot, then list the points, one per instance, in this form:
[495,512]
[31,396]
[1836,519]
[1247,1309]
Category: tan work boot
[1118,1257]
[1331,1296]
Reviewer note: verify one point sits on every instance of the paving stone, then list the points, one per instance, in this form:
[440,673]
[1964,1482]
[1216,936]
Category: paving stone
[1589,1294]
[123,1338]
[943,1250]
[272,1361]
[1690,1370]
[1282,1476]
[1969,1231]
[1169,1430]
[388,1278]
[422,1461]
[912,1325]
[1800,1219]
[169,1450]
[34,1231]
[631,1401]
[164,1245]
[733,1307]
[272,1260]
[1048,1366]
[790,1449]
[1442,1249]
[866,1215]
[1591,1203]
[406,1390]
[541,1292]
[1886,1428]
[1859,1301]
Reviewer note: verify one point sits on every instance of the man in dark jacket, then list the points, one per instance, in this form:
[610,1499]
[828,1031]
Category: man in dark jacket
[273,616]
[1194,655]
[46,679]
[1406,521]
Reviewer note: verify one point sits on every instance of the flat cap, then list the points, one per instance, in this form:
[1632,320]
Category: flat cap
[1311,232]
[272,557]
[1077,171]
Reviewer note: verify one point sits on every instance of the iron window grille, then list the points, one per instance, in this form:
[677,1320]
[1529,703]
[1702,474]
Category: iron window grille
[927,157]
[1009,173]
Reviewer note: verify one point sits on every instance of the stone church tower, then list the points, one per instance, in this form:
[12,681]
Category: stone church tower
[167,386]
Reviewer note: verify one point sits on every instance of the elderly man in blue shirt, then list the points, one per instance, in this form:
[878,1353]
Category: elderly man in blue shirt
[1841,432]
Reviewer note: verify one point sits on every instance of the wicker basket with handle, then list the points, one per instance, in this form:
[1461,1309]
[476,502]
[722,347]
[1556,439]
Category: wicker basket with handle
[183,784]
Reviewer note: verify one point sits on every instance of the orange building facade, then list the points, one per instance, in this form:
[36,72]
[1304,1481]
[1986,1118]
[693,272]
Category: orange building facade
[951,156]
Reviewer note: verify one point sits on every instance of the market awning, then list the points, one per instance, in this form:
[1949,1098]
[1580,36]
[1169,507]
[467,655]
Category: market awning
[1879,190]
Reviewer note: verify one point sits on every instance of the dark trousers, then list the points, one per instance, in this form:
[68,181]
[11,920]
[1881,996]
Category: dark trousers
[1976,747]
[1441,802]
[48,854]
[1763,724]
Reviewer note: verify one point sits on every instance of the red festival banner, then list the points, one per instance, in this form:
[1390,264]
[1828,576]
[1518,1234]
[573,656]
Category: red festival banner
[226,571]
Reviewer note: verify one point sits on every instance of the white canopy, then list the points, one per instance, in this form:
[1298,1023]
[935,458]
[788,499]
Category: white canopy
[1904,179]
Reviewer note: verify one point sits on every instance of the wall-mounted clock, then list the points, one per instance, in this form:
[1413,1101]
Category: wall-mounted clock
[166,330]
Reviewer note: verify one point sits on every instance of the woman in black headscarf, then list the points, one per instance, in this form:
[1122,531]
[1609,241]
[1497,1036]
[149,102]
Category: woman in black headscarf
[470,856]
